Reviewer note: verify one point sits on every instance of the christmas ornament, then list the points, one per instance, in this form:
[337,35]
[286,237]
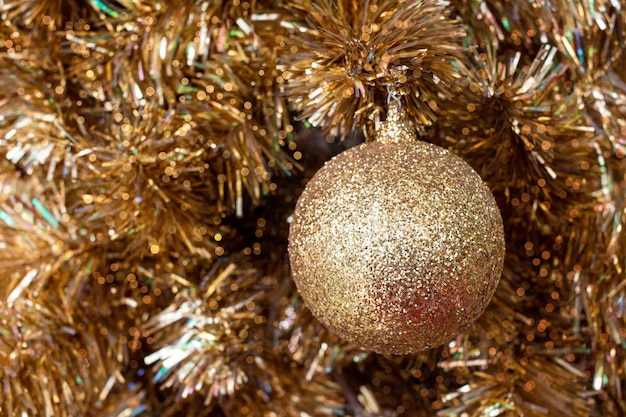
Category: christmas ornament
[396,245]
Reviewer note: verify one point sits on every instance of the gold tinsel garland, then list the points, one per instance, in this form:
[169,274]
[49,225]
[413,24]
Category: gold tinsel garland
[152,152]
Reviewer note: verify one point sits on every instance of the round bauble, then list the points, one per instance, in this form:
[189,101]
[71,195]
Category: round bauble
[397,247]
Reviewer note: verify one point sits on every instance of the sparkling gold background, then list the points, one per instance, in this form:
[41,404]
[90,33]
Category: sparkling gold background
[152,152]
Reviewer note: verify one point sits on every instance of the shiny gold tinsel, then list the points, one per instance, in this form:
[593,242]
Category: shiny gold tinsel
[397,246]
[214,69]
[38,236]
[590,34]
[527,29]
[57,352]
[51,363]
[192,95]
[523,132]
[345,58]
[562,237]
[160,199]
[207,343]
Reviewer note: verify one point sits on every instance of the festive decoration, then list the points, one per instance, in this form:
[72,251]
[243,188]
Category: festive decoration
[396,245]
[353,53]
[152,153]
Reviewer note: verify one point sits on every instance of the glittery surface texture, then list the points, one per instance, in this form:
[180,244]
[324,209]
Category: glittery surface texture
[397,246]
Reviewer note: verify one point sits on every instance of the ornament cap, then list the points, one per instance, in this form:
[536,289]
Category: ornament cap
[397,128]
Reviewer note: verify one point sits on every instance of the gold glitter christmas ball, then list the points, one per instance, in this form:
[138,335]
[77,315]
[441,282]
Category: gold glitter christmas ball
[397,247]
